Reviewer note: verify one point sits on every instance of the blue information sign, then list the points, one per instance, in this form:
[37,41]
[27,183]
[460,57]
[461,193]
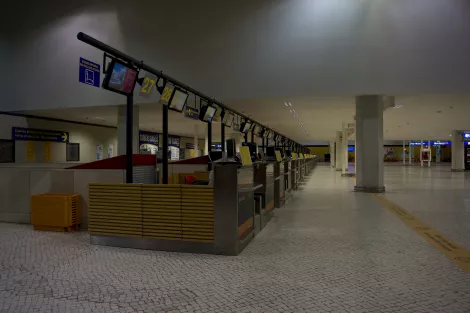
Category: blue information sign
[148,138]
[32,134]
[89,73]
[173,141]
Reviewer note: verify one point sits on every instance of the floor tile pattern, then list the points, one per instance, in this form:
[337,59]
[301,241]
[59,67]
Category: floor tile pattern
[328,250]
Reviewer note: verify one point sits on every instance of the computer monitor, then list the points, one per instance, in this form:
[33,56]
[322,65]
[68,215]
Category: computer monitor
[215,155]
[288,153]
[207,113]
[178,100]
[120,78]
[253,147]
[270,152]
[230,146]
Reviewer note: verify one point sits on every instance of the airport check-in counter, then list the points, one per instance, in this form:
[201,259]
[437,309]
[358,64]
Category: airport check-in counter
[287,176]
[294,174]
[263,176]
[279,185]
[234,207]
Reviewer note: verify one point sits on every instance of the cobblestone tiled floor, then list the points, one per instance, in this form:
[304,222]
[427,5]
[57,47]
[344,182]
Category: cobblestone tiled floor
[328,250]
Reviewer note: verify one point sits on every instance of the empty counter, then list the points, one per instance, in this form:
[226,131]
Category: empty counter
[263,176]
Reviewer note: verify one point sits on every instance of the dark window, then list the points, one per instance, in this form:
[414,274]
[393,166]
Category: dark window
[7,151]
[73,152]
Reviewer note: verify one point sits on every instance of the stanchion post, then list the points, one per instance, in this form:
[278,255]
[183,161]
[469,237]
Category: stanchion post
[165,145]
[222,137]
[129,130]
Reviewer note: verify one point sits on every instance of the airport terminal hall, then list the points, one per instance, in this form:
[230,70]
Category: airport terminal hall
[211,156]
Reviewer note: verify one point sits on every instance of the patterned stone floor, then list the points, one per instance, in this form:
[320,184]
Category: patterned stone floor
[327,250]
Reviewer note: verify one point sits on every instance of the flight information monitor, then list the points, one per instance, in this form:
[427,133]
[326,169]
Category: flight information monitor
[120,78]
[178,100]
[245,127]
[207,113]
[228,118]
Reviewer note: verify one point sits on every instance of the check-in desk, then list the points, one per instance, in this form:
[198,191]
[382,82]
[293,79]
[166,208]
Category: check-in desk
[279,185]
[234,208]
[287,177]
[263,176]
[294,170]
[301,163]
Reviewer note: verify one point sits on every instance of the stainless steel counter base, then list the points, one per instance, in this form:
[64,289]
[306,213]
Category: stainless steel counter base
[153,244]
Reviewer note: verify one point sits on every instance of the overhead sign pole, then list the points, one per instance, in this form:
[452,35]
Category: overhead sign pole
[118,54]
[129,130]
[165,145]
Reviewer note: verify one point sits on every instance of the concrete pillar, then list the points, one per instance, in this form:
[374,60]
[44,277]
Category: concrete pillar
[344,150]
[332,154]
[121,131]
[458,150]
[369,138]
[338,152]
[404,153]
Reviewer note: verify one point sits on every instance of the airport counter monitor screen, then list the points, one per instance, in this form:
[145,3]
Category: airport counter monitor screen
[120,78]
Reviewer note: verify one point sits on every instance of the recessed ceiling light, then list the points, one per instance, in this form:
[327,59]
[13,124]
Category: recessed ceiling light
[397,106]
[285,103]
[290,104]
[290,111]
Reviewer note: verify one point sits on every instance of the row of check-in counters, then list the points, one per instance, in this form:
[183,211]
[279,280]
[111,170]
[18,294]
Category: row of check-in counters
[260,189]
[221,218]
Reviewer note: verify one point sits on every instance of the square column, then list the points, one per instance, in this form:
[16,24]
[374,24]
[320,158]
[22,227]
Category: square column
[369,144]
[121,131]
[338,152]
[332,154]
[458,150]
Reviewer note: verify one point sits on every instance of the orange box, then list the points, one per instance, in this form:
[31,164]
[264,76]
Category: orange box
[56,212]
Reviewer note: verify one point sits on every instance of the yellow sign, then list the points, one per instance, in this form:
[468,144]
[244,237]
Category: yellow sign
[147,85]
[245,155]
[294,156]
[30,156]
[278,155]
[301,156]
[166,94]
[451,249]
[47,151]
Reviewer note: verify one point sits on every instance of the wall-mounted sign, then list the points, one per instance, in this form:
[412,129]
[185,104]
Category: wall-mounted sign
[190,145]
[190,112]
[148,138]
[32,134]
[110,150]
[148,85]
[99,152]
[174,141]
[89,73]
[466,135]
[166,94]
[433,143]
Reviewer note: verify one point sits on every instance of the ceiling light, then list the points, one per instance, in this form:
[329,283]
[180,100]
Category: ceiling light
[285,103]
[397,106]
[290,104]
[290,111]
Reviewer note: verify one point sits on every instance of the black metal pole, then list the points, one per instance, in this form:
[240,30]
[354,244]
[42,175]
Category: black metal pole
[252,137]
[246,137]
[209,143]
[129,130]
[264,144]
[140,64]
[222,136]
[165,144]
